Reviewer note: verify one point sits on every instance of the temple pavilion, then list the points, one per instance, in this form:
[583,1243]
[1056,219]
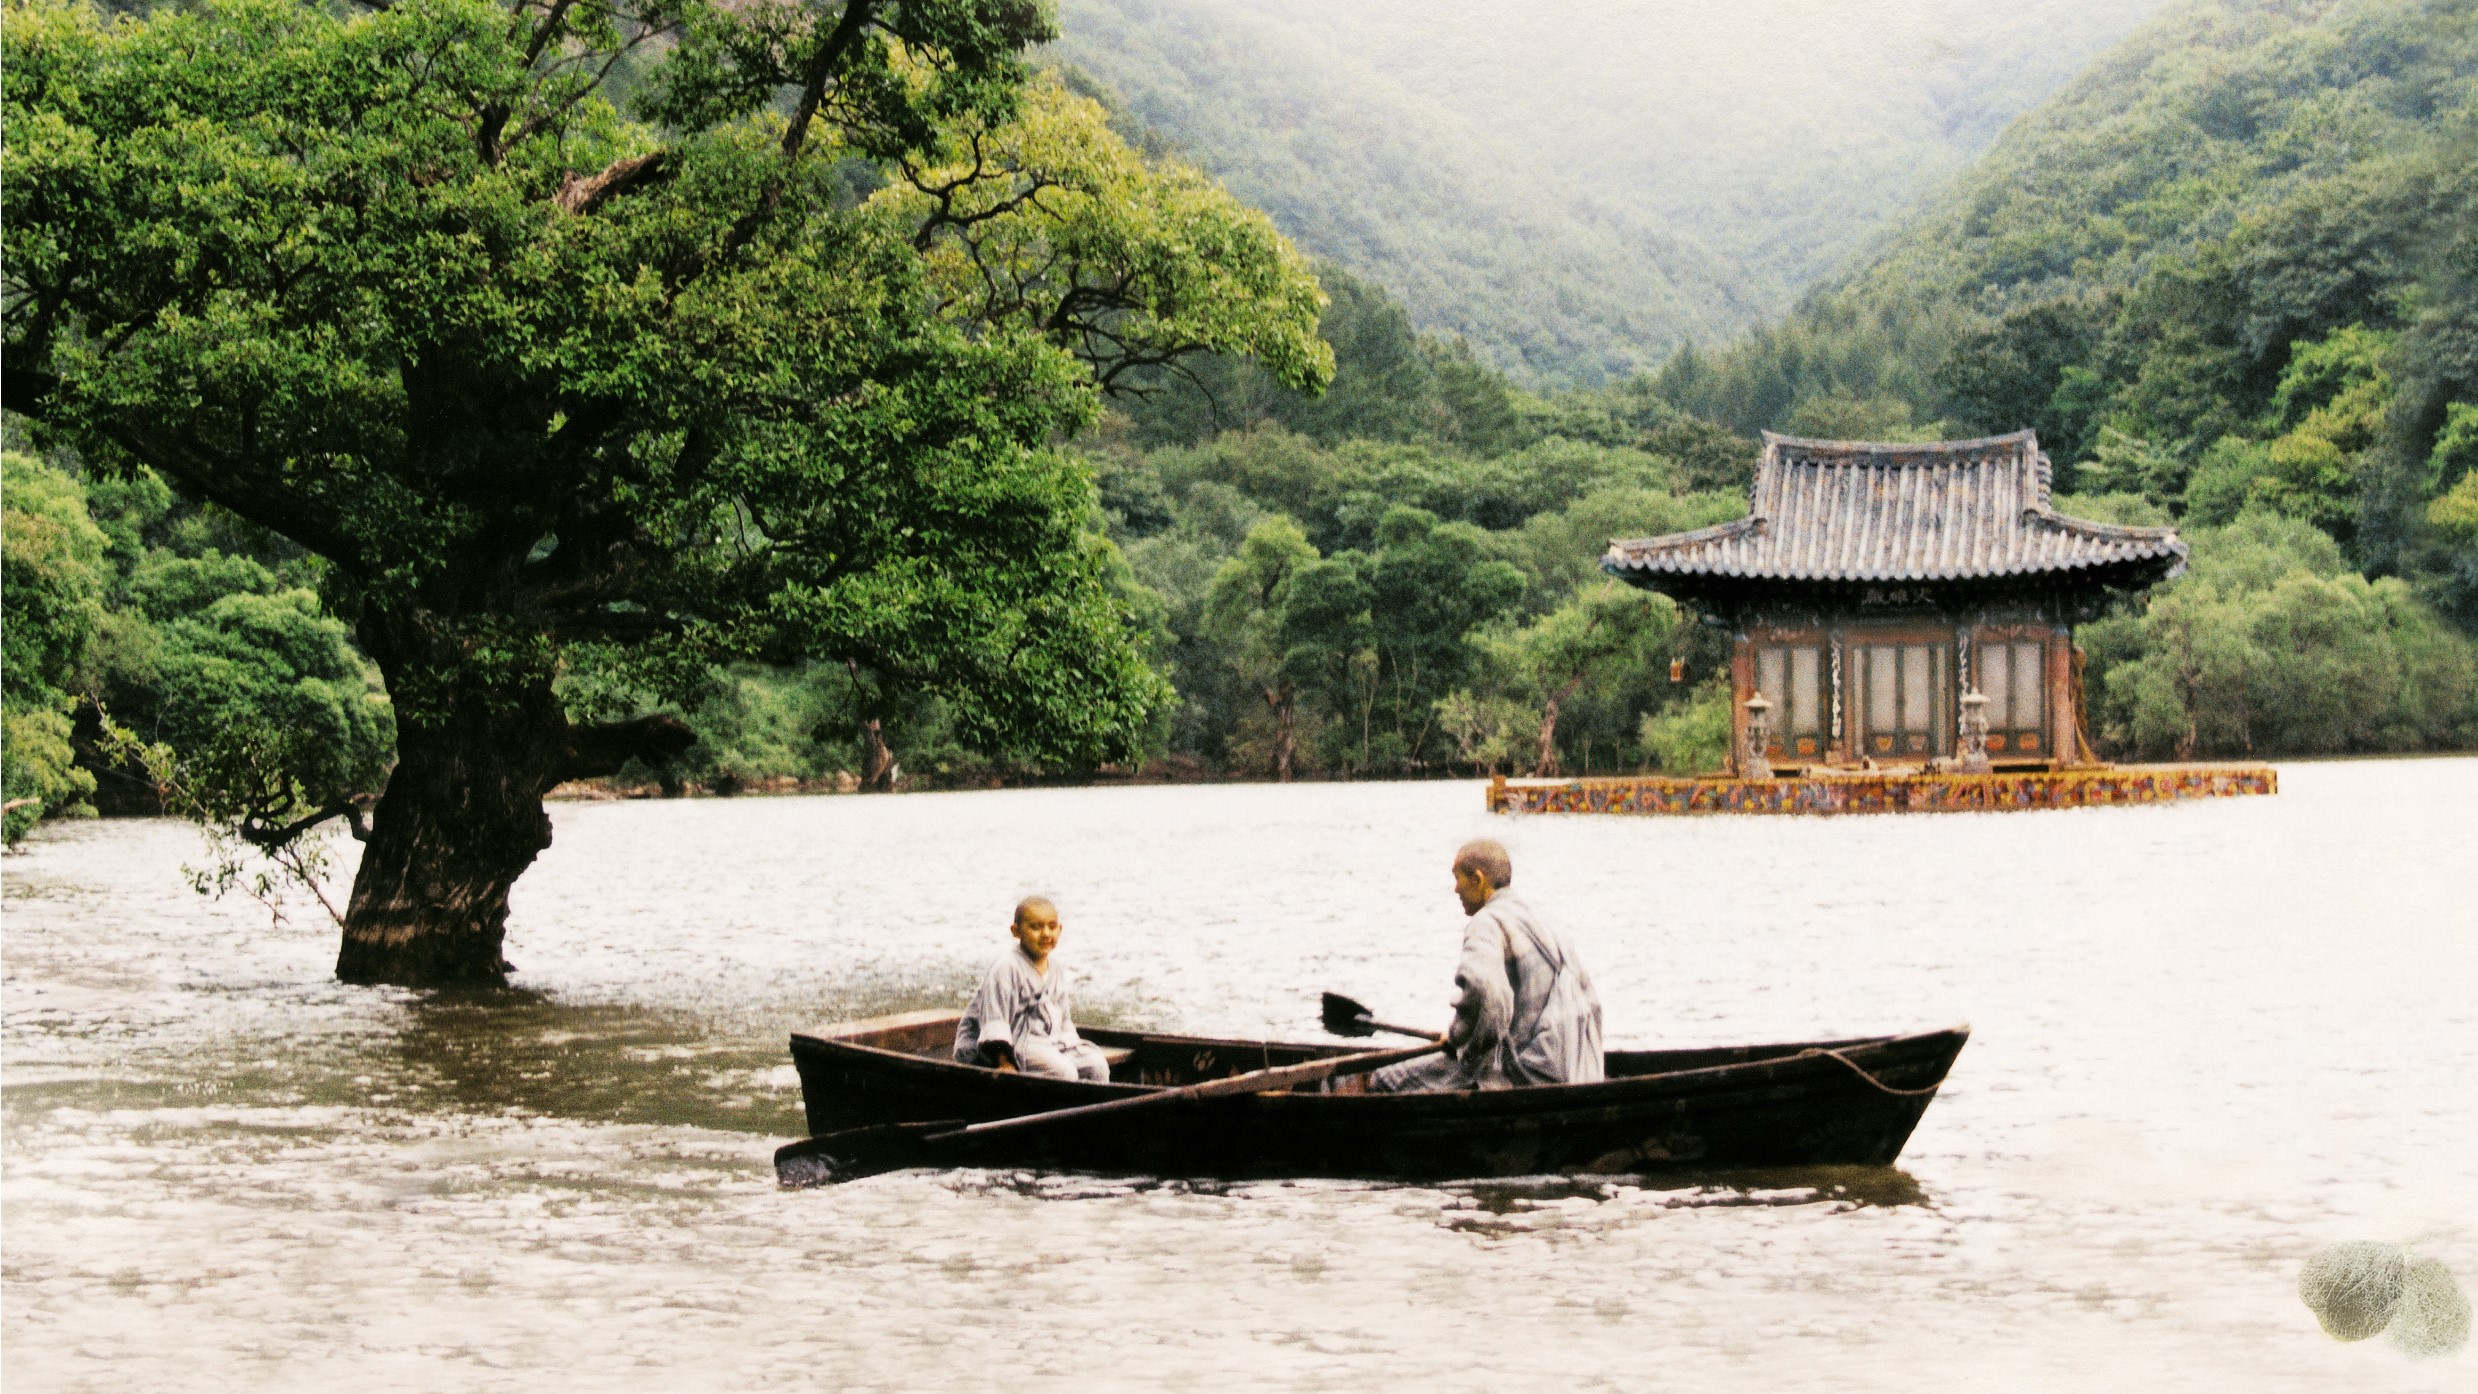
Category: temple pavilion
[1872,588]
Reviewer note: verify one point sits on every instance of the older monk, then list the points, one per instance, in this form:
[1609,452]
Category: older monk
[1524,1010]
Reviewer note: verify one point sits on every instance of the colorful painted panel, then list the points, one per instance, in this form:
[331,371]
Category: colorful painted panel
[1887,793]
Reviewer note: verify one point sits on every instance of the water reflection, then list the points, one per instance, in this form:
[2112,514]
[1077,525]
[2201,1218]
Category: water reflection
[1848,1187]
[1476,1206]
[519,1051]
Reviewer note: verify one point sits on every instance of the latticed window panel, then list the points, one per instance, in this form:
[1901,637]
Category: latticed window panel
[2013,677]
[1791,677]
[1904,692]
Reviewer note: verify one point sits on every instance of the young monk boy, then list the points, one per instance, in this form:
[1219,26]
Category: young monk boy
[1018,1019]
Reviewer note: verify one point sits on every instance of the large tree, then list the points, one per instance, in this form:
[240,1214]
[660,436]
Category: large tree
[1247,612]
[1605,632]
[592,344]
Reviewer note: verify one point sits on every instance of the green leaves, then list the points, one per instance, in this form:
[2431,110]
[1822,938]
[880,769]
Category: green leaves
[53,572]
[257,684]
[1047,222]
[2325,419]
[55,578]
[2273,645]
[408,287]
[1690,737]
[1603,635]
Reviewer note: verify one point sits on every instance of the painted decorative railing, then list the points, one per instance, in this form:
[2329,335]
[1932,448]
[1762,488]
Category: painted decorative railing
[1864,792]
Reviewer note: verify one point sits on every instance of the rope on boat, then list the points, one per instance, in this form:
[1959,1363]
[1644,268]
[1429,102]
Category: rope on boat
[1861,1071]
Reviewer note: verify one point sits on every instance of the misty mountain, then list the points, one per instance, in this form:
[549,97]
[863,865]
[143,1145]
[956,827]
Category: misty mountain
[1577,186]
[2214,121]
[1477,233]
[2231,268]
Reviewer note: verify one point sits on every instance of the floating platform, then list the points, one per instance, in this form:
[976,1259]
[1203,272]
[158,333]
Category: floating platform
[1870,791]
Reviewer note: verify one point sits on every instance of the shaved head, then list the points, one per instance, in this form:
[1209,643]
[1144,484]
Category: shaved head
[1038,904]
[1488,857]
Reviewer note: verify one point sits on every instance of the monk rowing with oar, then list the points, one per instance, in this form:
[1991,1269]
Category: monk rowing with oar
[1524,1008]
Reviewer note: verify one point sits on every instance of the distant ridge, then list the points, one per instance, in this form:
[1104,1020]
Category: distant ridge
[1475,233]
[1578,186]
[2217,111]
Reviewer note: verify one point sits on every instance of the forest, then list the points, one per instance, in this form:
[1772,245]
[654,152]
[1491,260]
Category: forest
[2229,273]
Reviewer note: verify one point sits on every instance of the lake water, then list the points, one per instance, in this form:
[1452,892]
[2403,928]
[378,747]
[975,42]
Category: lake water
[2208,1038]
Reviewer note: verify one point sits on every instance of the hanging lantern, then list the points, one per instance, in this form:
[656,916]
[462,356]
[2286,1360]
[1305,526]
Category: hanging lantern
[1677,670]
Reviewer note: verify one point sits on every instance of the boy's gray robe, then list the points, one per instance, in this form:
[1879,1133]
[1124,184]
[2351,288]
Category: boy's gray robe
[1027,1011]
[1524,1011]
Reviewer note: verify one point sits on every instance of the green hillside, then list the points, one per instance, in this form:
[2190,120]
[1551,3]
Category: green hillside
[2234,261]
[1478,234]
[1578,186]
[2231,276]
[2218,120]
[2228,275]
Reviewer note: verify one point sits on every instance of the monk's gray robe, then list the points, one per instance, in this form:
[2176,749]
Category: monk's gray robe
[1524,1011]
[1026,1010]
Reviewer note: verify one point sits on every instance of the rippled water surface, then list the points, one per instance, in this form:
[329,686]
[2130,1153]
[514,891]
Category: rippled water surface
[2208,1038]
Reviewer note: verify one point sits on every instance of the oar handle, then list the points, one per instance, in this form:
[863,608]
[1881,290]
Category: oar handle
[1253,1082]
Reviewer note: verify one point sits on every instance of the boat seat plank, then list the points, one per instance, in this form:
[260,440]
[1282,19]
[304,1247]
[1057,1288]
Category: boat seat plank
[913,1033]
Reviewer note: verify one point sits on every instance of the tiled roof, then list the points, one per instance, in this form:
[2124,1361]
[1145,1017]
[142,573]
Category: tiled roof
[1826,510]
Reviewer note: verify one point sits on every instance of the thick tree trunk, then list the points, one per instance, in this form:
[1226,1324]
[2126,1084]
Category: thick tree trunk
[1546,766]
[462,816]
[461,819]
[1285,721]
[881,760]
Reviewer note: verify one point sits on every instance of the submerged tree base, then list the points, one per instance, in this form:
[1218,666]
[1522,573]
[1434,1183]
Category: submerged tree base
[423,958]
[462,818]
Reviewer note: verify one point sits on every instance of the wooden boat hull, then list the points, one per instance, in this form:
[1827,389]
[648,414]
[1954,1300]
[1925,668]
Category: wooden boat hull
[1847,1102]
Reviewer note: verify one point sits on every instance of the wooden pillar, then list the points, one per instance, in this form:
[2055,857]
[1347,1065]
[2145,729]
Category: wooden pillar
[1741,687]
[2062,718]
[2062,744]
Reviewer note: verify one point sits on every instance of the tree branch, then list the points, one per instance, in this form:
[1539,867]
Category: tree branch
[847,31]
[584,195]
[261,835]
[244,491]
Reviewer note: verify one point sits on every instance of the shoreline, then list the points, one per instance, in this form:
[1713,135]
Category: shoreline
[614,791]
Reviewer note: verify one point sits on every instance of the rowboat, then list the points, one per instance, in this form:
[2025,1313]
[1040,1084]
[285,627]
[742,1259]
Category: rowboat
[1849,1102]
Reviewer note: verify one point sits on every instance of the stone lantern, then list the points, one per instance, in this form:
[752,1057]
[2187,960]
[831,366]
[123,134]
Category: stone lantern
[1755,759]
[1971,734]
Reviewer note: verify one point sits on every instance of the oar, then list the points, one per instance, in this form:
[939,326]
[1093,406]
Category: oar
[853,1153]
[1344,1017]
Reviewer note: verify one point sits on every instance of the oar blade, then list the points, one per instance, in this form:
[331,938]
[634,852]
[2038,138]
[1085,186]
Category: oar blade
[1345,1017]
[830,1159]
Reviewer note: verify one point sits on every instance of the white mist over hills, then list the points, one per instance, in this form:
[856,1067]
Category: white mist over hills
[1578,185]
